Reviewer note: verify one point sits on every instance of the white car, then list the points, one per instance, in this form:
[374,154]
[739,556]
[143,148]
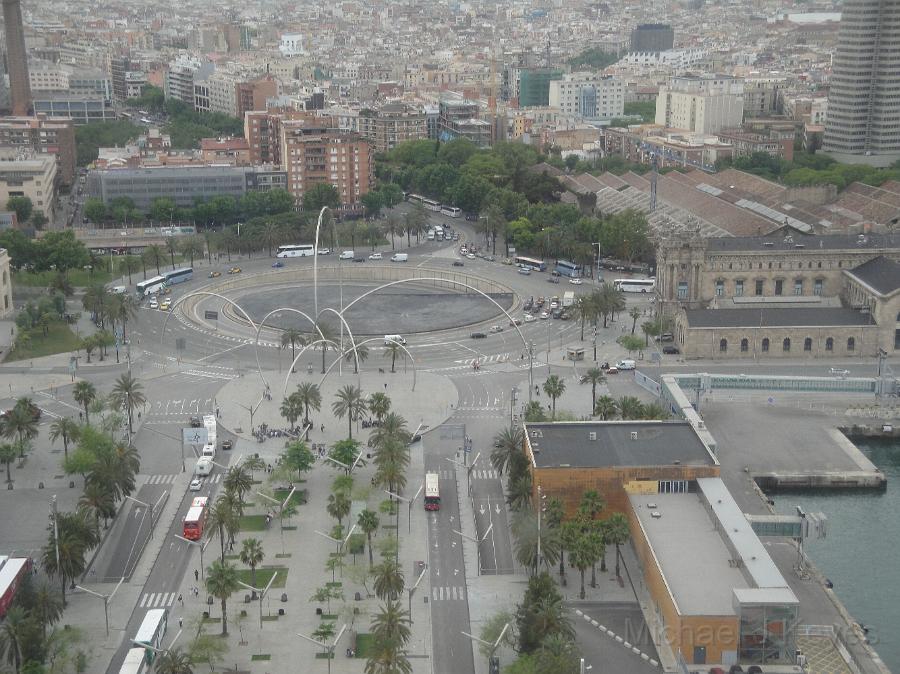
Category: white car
[544,315]
[529,318]
[471,256]
[154,304]
[324,251]
[196,484]
[375,256]
[575,281]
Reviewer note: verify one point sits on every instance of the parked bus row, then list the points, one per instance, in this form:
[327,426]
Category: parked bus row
[436,206]
[155,285]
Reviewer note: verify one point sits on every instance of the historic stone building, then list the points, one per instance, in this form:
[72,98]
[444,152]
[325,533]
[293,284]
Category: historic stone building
[787,295]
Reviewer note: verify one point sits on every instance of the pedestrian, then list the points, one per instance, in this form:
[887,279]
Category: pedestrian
[196,575]
[385,386]
[322,428]
[81,416]
[181,600]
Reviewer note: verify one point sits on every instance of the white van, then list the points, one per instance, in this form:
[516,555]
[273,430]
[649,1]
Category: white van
[204,467]
[390,339]
[209,450]
[626,364]
[400,257]
[120,290]
[346,255]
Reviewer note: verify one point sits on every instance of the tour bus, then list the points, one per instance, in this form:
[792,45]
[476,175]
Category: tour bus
[432,492]
[635,285]
[209,423]
[12,571]
[135,661]
[152,631]
[178,275]
[296,250]
[415,198]
[451,211]
[566,268]
[432,205]
[149,287]
[195,519]
[531,263]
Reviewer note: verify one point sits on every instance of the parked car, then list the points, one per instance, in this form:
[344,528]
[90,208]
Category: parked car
[544,316]
[376,256]
[575,281]
[612,370]
[458,263]
[666,337]
[165,305]
[554,273]
[154,303]
[277,265]
[214,274]
[234,270]
[478,335]
[556,313]
[471,256]
[490,258]
[527,304]
[565,315]
[670,350]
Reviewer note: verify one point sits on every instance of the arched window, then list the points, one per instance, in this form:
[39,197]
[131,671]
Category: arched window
[807,344]
[851,344]
[745,345]
[765,344]
[829,344]
[723,345]
[786,344]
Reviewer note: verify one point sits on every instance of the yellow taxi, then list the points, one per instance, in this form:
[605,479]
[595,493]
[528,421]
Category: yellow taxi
[234,270]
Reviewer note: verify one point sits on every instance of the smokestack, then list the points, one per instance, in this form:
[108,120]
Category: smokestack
[16,58]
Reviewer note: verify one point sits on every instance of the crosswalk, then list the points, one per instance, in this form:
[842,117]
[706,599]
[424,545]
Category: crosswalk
[485,474]
[158,599]
[485,360]
[451,593]
[170,479]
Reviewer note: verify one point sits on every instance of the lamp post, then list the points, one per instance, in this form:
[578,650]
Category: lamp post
[328,649]
[105,598]
[477,541]
[492,667]
[262,593]
[343,465]
[201,546]
[530,370]
[148,507]
[413,589]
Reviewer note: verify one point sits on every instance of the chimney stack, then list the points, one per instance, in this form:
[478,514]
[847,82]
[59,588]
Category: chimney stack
[16,58]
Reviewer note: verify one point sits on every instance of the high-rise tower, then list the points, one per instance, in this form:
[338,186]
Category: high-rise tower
[863,124]
[16,58]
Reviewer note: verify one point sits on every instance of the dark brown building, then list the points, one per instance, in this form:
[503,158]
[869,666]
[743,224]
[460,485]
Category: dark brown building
[44,135]
[16,59]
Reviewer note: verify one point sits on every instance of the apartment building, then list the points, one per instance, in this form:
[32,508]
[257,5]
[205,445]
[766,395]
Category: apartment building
[180,78]
[313,152]
[461,119]
[135,83]
[392,124]
[61,78]
[652,37]
[232,94]
[701,103]
[262,129]
[43,135]
[589,95]
[221,151]
[80,109]
[28,174]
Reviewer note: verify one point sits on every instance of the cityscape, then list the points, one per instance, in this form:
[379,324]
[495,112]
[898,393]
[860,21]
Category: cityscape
[547,337]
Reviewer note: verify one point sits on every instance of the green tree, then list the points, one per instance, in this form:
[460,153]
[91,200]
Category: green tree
[8,454]
[392,624]
[606,407]
[630,407]
[310,396]
[326,594]
[554,387]
[631,343]
[379,405]
[98,499]
[84,394]
[338,506]
[508,445]
[94,209]
[319,195]
[292,337]
[349,403]
[534,412]
[238,481]
[77,534]
[46,606]
[221,583]
[19,423]
[163,209]
[392,350]
[388,580]
[13,634]
[297,456]
[594,376]
[191,247]
[617,533]
[535,546]
[221,518]
[252,555]
[373,203]
[128,394]
[361,352]
[368,524]
[291,409]
[154,255]
[21,206]
[346,452]
[591,504]
[581,556]
[173,661]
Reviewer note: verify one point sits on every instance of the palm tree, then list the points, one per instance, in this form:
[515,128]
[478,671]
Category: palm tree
[238,481]
[350,403]
[13,634]
[128,393]
[123,309]
[379,404]
[392,428]
[591,504]
[96,300]
[554,387]
[507,444]
[292,337]
[20,423]
[594,376]
[220,518]
[309,396]
[652,411]
[171,247]
[77,533]
[338,506]
[291,409]
[635,314]
[252,555]
[8,454]
[98,499]
[391,624]
[617,533]
[192,246]
[597,543]
[392,350]
[388,580]
[630,407]
[581,556]
[568,539]
[585,310]
[46,606]
[327,338]
[173,661]
[67,429]
[221,583]
[527,537]
[154,255]
[368,524]
[551,617]
[518,496]
[606,407]
[362,352]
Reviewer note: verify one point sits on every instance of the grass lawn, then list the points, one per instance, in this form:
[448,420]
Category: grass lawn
[59,339]
[260,656]
[356,544]
[329,616]
[283,555]
[79,278]
[252,523]
[298,499]
[334,584]
[324,656]
[365,644]
[263,575]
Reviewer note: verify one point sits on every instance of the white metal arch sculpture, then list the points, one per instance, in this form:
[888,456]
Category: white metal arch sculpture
[365,341]
[263,322]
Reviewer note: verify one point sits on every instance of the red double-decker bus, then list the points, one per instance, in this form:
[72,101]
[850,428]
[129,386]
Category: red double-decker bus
[195,518]
[12,570]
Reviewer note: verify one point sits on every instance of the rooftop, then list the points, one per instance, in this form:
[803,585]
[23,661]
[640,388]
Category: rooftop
[764,244]
[590,444]
[880,274]
[775,317]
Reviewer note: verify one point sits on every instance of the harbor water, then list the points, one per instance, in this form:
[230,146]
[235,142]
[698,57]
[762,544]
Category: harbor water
[859,554]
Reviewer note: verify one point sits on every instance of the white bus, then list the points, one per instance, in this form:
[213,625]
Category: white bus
[432,492]
[635,285]
[432,205]
[209,422]
[451,211]
[135,662]
[298,250]
[179,275]
[152,631]
[150,287]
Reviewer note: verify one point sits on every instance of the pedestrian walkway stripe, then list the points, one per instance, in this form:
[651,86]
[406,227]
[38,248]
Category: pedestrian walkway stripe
[484,474]
[161,479]
[452,593]
[157,600]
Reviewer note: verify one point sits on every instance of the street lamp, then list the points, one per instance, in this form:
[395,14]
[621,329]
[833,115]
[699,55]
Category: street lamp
[262,593]
[413,589]
[343,465]
[477,541]
[409,503]
[281,506]
[148,507]
[341,543]
[200,545]
[105,598]
[328,649]
[491,646]
[141,644]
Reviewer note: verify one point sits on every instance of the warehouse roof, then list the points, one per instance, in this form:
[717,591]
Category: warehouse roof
[775,318]
[880,274]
